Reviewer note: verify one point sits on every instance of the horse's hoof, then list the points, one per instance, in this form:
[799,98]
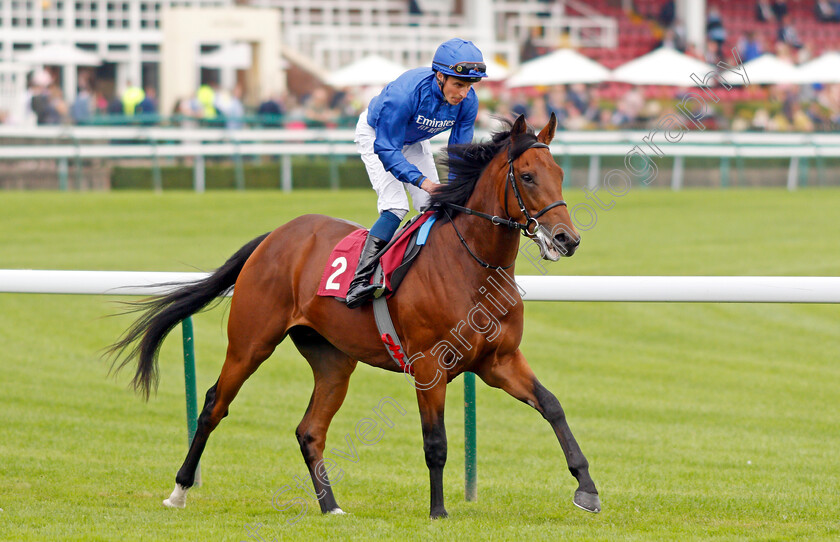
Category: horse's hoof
[587,501]
[178,499]
[337,512]
[439,514]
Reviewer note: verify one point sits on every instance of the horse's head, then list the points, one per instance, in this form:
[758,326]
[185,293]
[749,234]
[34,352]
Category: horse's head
[532,191]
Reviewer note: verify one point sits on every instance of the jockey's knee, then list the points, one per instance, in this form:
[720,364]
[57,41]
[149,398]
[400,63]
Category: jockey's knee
[399,213]
[387,224]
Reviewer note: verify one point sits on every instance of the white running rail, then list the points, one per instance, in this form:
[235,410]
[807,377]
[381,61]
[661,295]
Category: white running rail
[724,289]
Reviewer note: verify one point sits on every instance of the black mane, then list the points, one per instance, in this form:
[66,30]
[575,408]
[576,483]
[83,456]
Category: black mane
[466,162]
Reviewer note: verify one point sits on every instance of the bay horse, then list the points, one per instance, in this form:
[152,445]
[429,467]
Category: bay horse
[499,189]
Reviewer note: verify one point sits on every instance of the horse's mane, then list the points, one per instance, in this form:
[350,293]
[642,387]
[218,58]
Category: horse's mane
[466,162]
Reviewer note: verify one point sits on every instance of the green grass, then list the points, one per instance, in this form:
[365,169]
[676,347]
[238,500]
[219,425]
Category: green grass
[700,421]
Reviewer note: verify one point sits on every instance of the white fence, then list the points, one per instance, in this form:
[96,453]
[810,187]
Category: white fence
[78,143]
[536,288]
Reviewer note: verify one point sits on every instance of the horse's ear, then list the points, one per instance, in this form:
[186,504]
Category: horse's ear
[519,127]
[547,133]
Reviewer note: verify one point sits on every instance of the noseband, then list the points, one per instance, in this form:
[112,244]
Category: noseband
[509,222]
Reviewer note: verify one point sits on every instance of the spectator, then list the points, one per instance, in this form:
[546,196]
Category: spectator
[576,120]
[39,100]
[317,111]
[206,97]
[82,108]
[271,110]
[149,104]
[579,97]
[131,97]
[827,10]
[229,104]
[530,50]
[671,41]
[817,118]
[780,9]
[115,106]
[679,36]
[787,33]
[57,109]
[750,46]
[763,11]
[667,14]
[805,53]
[186,111]
[712,53]
[273,105]
[556,102]
[715,31]
[100,103]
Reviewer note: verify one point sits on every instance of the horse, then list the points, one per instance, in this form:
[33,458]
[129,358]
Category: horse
[498,189]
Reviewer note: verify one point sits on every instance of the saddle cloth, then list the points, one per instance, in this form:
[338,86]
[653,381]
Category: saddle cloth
[393,264]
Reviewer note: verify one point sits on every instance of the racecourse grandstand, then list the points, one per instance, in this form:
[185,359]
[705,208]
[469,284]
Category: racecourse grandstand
[102,56]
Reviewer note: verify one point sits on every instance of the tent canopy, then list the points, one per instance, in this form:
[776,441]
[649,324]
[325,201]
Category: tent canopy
[496,71]
[58,54]
[563,66]
[370,70]
[767,70]
[662,67]
[824,69]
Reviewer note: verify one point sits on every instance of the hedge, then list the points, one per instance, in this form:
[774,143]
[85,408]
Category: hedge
[307,172]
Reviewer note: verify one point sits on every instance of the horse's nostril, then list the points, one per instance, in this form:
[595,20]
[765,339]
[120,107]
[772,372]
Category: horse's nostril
[561,238]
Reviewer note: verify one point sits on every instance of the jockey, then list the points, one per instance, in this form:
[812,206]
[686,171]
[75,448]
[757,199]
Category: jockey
[392,137]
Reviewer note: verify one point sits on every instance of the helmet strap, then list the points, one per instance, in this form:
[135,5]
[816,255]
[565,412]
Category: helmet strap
[441,79]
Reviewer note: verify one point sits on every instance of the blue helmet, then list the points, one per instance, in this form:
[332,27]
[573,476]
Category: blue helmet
[460,58]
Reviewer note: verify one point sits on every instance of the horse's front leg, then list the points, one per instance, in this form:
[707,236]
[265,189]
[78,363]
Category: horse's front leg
[431,402]
[512,374]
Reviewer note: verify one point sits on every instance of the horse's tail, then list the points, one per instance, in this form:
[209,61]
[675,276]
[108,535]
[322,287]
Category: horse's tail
[161,314]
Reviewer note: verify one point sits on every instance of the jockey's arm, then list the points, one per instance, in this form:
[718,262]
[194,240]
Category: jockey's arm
[390,138]
[462,131]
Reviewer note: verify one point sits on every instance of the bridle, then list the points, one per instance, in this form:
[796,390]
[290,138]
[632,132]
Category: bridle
[509,222]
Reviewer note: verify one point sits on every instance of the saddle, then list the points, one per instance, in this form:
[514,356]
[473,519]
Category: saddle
[394,261]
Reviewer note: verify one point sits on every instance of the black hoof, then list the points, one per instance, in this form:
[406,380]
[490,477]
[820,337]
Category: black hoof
[587,501]
[438,514]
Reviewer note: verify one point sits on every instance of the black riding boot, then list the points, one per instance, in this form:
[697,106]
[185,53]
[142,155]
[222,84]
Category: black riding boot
[361,288]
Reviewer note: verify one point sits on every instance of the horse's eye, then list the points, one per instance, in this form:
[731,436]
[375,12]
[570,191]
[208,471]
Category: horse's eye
[527,178]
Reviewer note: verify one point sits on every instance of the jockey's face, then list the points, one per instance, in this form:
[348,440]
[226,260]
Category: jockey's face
[454,89]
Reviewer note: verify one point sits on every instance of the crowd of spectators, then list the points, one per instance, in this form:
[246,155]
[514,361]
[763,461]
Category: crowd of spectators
[578,107]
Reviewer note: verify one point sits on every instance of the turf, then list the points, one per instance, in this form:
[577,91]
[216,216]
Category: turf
[700,421]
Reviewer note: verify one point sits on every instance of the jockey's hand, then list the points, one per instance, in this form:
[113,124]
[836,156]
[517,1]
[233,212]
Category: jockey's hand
[429,186]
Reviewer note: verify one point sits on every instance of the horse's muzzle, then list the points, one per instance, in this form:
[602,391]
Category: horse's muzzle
[565,244]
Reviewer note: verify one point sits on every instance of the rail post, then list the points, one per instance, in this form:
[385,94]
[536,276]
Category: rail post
[190,386]
[470,463]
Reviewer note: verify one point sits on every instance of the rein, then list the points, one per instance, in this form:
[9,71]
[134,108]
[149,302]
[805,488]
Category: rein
[499,221]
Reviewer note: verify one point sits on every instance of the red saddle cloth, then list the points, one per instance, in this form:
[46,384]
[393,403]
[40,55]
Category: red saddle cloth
[341,265]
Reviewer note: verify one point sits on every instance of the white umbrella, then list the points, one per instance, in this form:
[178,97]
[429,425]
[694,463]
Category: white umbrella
[370,70]
[824,69]
[495,71]
[766,70]
[560,67]
[662,67]
[58,54]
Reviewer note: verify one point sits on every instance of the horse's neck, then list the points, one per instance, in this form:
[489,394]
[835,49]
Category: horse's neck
[496,245]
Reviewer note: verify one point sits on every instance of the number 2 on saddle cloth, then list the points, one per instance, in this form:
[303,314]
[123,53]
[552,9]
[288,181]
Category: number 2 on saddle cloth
[395,261]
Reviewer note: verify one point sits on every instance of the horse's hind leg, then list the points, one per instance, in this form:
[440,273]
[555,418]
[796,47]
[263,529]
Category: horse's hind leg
[331,369]
[515,377]
[248,346]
